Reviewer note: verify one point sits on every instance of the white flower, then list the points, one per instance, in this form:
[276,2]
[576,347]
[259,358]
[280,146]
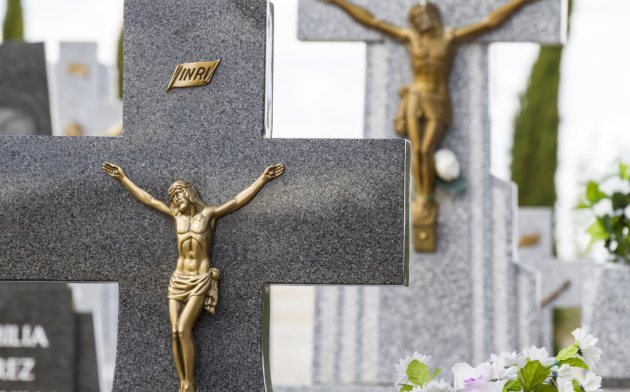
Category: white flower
[564,371]
[591,382]
[615,185]
[603,207]
[463,372]
[437,386]
[505,366]
[482,385]
[538,354]
[588,351]
[403,364]
[507,359]
[627,212]
[565,384]
[446,165]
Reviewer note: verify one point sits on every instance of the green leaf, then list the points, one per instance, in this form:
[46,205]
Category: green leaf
[513,386]
[533,375]
[436,371]
[593,194]
[597,232]
[418,373]
[574,362]
[546,388]
[569,352]
[406,388]
[619,201]
[582,206]
[624,171]
[576,386]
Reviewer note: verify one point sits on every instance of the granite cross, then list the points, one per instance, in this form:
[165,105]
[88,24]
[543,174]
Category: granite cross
[470,277]
[337,216]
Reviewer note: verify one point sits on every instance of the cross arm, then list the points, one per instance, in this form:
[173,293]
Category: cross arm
[140,194]
[366,18]
[248,194]
[492,21]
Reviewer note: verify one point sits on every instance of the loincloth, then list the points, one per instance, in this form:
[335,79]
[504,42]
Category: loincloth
[183,287]
[425,105]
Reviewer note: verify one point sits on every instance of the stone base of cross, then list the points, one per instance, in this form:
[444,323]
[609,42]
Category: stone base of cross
[462,304]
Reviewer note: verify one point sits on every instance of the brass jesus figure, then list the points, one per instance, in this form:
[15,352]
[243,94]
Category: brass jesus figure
[425,108]
[195,283]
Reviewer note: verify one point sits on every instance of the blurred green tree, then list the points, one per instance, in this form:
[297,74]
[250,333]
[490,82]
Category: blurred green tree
[535,146]
[13,27]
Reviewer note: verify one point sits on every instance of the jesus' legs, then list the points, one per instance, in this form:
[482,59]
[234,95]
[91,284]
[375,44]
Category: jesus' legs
[174,309]
[187,319]
[432,134]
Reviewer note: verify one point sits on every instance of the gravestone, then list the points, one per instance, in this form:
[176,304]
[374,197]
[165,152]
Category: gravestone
[563,283]
[86,100]
[44,345]
[24,102]
[337,216]
[464,301]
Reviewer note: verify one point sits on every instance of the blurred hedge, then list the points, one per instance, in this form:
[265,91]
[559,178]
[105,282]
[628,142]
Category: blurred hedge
[13,27]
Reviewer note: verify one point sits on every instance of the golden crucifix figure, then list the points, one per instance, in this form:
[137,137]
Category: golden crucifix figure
[195,283]
[425,108]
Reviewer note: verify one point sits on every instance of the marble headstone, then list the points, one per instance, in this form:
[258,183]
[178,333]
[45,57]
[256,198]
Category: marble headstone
[464,300]
[85,91]
[24,101]
[337,216]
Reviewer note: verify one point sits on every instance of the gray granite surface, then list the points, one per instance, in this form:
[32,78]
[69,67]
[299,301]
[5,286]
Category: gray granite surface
[607,315]
[24,102]
[45,364]
[87,97]
[337,216]
[463,302]
[321,21]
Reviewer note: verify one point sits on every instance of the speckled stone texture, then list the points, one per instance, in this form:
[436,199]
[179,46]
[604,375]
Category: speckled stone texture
[87,100]
[24,102]
[321,22]
[553,272]
[458,307]
[607,316]
[337,216]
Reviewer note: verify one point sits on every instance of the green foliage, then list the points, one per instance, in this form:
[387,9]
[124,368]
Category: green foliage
[513,386]
[418,373]
[533,376]
[568,353]
[612,222]
[574,362]
[577,387]
[119,63]
[13,27]
[535,148]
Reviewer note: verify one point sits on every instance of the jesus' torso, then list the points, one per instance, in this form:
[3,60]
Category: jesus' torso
[431,59]
[194,239]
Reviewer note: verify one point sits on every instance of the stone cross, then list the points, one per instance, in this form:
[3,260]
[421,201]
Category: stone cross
[24,103]
[461,305]
[337,216]
[87,102]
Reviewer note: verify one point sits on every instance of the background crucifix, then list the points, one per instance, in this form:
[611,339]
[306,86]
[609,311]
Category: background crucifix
[475,247]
